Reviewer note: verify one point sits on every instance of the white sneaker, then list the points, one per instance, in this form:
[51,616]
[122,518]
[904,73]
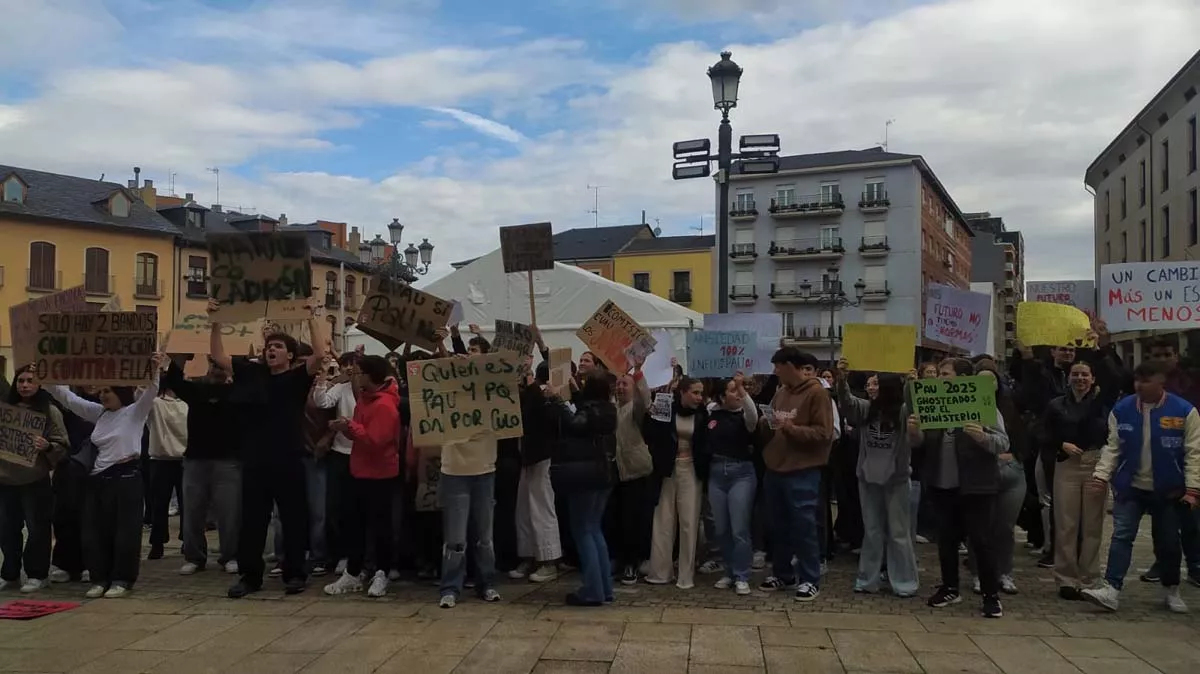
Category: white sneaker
[490,595]
[759,560]
[231,567]
[921,540]
[33,585]
[95,592]
[341,567]
[522,571]
[1105,596]
[1008,585]
[345,584]
[724,584]
[173,511]
[116,592]
[85,577]
[379,585]
[4,584]
[188,569]
[57,575]
[742,588]
[447,601]
[711,566]
[975,587]
[544,574]
[1175,603]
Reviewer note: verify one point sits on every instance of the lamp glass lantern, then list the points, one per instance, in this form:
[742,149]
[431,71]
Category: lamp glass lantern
[378,246]
[410,255]
[860,289]
[426,250]
[725,76]
[395,231]
[364,253]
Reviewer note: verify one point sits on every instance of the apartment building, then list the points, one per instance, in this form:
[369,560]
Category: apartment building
[998,259]
[843,237]
[1145,184]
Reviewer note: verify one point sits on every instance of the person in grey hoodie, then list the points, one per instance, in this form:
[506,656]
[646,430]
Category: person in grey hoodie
[883,488]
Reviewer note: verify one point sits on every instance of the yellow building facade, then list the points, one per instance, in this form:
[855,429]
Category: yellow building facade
[676,268]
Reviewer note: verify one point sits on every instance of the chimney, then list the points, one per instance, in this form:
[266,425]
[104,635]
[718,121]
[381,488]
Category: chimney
[283,220]
[137,176]
[643,217]
[216,208]
[131,184]
[149,194]
[355,240]
[189,197]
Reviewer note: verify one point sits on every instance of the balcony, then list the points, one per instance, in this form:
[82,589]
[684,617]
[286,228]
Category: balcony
[874,246]
[820,248]
[332,301]
[680,295]
[1010,334]
[99,285]
[743,252]
[743,294]
[1009,286]
[808,206]
[351,303]
[812,335]
[147,289]
[743,212]
[797,293]
[874,202]
[876,291]
[43,280]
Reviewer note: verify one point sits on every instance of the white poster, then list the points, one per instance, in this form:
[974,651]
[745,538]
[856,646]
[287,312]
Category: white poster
[1150,295]
[768,326]
[958,318]
[1078,294]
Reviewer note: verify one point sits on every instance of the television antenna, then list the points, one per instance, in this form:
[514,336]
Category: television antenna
[595,210]
[886,127]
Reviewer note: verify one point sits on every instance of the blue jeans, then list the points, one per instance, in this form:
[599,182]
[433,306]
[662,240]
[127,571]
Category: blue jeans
[468,504]
[315,483]
[886,526]
[586,512]
[793,501]
[1008,508]
[731,487]
[1165,517]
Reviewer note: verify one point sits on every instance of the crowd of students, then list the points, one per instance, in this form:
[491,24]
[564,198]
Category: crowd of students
[605,481]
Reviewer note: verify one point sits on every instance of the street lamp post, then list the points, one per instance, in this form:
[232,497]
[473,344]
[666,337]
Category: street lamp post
[759,154]
[415,262]
[831,293]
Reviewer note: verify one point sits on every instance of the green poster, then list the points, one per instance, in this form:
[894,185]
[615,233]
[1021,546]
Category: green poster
[952,403]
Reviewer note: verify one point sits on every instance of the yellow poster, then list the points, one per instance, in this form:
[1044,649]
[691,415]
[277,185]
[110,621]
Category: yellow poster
[1048,324]
[879,348]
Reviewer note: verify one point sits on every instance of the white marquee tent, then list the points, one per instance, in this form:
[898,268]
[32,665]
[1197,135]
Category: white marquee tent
[565,298]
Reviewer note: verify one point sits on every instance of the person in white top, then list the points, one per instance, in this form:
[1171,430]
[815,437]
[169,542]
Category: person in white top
[338,393]
[113,507]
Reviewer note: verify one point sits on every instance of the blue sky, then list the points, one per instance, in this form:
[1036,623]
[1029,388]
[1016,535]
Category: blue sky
[458,116]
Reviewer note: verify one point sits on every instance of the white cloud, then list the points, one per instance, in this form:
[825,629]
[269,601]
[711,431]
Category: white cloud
[1008,100]
[487,127]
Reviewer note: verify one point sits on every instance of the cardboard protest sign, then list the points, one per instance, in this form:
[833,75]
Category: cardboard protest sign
[515,337]
[112,305]
[251,272]
[18,428]
[952,403]
[1048,324]
[464,398]
[23,319]
[661,407]
[560,370]
[527,247]
[1079,294]
[429,475]
[615,337]
[97,348]
[957,317]
[720,353]
[190,335]
[879,348]
[1150,295]
[397,313]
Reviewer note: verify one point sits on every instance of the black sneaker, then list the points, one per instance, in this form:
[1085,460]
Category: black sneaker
[1046,561]
[241,589]
[1069,593]
[773,583]
[629,576]
[294,586]
[156,552]
[992,607]
[807,592]
[1151,576]
[945,596]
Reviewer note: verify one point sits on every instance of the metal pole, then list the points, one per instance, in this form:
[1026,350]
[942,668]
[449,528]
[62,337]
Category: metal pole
[341,318]
[724,161]
[832,309]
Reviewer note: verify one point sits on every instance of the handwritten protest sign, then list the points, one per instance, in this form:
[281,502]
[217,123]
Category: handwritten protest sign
[190,335]
[615,337]
[515,337]
[958,318]
[397,313]
[879,347]
[953,403]
[662,406]
[1150,295]
[97,348]
[464,398]
[768,327]
[18,428]
[720,353]
[24,320]
[1048,324]
[527,247]
[254,271]
[560,370]
[1078,294]
[429,475]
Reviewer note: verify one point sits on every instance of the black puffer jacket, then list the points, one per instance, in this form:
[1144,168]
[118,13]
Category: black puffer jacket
[587,447]
[1081,422]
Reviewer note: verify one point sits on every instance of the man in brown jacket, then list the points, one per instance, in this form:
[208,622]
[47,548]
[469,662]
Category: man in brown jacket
[802,423]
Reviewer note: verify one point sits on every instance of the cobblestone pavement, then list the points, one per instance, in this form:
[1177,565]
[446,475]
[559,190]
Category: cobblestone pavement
[179,625]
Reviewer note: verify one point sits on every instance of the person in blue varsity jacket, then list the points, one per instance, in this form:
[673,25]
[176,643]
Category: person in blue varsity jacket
[1152,463]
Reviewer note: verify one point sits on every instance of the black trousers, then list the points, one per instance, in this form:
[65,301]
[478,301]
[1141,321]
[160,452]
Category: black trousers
[339,486]
[369,514]
[112,524]
[166,478]
[504,515]
[970,518]
[30,507]
[278,482]
[70,489]
[632,508]
[848,528]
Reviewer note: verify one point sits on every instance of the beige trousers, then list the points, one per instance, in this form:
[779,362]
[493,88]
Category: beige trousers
[1079,522]
[678,510]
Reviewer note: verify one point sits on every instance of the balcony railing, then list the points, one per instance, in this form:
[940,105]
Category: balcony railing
[815,204]
[680,295]
[332,301]
[874,245]
[813,333]
[743,293]
[99,284]
[743,211]
[149,289]
[743,250]
[876,290]
[43,280]
[813,246]
[874,201]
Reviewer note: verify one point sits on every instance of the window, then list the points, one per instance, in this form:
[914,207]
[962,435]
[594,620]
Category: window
[1191,146]
[14,190]
[118,205]
[1142,240]
[147,275]
[1124,247]
[745,200]
[875,276]
[331,292]
[641,281]
[193,219]
[875,191]
[350,287]
[789,323]
[785,279]
[1107,209]
[95,271]
[785,195]
[42,266]
[830,239]
[743,282]
[681,286]
[784,236]
[1124,210]
[830,193]
[197,276]
[1166,231]
[146,309]
[950,261]
[948,226]
[1142,183]
[1193,235]
[1166,165]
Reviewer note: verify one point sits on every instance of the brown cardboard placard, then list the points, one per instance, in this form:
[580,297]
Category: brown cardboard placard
[560,370]
[254,272]
[97,348]
[191,334]
[397,313]
[18,428]
[512,336]
[464,398]
[615,337]
[24,320]
[527,247]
